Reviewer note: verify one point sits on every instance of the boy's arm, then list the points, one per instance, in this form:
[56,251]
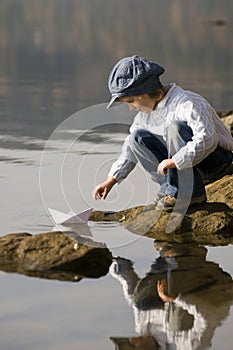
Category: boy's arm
[101,191]
[124,164]
[119,171]
[121,167]
[204,140]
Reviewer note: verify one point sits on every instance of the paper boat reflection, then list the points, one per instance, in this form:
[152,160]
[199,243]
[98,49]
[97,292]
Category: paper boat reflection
[72,223]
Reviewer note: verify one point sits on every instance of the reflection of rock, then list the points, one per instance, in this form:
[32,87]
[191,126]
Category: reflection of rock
[210,223]
[196,276]
[181,300]
[143,342]
[53,255]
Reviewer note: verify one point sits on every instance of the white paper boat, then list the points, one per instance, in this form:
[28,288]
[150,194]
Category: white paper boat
[70,218]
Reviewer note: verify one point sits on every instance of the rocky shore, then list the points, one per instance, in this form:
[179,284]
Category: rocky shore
[55,255]
[209,224]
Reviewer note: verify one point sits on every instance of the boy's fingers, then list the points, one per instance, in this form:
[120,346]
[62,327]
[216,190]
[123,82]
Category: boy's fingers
[96,195]
[104,195]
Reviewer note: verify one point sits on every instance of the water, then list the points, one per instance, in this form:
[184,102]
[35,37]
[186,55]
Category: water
[55,59]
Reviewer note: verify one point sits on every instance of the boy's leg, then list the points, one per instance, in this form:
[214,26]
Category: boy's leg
[215,165]
[150,150]
[189,180]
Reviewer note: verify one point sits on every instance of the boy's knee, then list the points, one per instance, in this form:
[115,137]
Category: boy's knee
[138,136]
[179,127]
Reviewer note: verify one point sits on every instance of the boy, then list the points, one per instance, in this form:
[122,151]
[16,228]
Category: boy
[176,136]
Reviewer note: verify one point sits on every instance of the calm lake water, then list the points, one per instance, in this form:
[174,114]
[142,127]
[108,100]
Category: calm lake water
[57,141]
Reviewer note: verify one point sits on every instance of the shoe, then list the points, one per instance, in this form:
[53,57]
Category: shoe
[168,202]
[158,197]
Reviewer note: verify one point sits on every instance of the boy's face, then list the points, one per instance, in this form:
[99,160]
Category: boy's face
[141,103]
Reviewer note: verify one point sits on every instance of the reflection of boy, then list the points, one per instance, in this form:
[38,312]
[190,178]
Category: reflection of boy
[180,305]
[176,133]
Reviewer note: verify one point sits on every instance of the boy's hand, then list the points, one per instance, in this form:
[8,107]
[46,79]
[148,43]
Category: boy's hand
[101,191]
[162,291]
[164,165]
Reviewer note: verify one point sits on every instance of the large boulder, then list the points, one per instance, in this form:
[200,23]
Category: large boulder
[53,255]
[210,223]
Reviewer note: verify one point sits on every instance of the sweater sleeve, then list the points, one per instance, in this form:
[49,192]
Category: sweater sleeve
[124,164]
[204,141]
[126,161]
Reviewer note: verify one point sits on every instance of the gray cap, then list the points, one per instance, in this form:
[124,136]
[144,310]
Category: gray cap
[133,76]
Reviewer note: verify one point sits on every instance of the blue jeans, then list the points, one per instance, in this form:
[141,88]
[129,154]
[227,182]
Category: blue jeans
[151,149]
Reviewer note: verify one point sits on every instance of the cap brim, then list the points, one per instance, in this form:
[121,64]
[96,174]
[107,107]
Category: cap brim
[111,101]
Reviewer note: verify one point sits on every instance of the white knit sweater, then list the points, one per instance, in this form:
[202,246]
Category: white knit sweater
[178,104]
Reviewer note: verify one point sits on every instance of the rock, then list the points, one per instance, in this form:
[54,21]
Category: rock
[226,113]
[53,255]
[229,122]
[210,223]
[221,190]
[227,118]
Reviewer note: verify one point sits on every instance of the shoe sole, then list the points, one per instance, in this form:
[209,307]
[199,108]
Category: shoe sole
[158,197]
[179,206]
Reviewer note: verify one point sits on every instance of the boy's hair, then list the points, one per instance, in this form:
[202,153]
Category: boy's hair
[157,94]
